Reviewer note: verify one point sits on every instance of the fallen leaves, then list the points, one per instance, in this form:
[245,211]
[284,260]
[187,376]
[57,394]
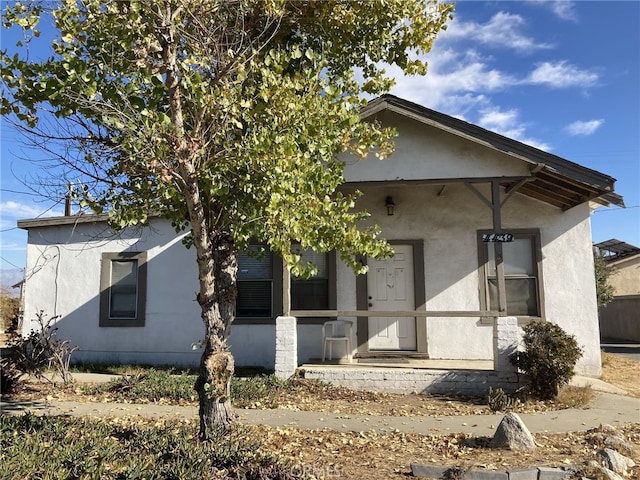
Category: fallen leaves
[376,456]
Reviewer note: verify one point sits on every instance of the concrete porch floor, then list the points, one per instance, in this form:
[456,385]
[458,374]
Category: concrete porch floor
[411,363]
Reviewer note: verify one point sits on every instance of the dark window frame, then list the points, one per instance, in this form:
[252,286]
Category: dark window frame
[484,274]
[277,293]
[105,289]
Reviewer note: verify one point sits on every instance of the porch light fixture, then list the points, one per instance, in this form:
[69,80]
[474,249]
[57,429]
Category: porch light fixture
[391,207]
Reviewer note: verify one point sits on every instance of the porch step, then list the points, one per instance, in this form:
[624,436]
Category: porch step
[399,378]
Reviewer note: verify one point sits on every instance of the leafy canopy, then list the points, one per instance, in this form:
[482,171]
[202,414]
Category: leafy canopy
[242,106]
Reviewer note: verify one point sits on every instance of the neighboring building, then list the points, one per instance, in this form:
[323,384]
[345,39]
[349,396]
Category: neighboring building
[620,319]
[440,200]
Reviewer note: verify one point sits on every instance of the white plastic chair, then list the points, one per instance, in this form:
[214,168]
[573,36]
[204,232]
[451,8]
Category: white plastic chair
[336,331]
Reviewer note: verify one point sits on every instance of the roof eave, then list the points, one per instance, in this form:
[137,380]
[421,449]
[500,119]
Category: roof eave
[593,185]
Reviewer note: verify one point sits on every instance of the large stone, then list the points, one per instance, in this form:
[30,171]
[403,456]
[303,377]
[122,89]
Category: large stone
[615,461]
[605,472]
[550,473]
[619,444]
[512,433]
[428,471]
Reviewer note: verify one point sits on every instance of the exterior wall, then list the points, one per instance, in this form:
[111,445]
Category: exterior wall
[63,264]
[620,319]
[427,152]
[63,279]
[625,279]
[447,222]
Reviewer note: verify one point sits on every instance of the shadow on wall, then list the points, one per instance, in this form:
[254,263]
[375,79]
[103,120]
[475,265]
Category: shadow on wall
[472,383]
[65,280]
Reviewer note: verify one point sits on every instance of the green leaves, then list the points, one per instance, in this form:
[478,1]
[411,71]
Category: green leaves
[235,110]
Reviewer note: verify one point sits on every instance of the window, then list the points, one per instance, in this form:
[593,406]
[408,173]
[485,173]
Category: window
[313,293]
[260,285]
[255,284]
[521,259]
[123,288]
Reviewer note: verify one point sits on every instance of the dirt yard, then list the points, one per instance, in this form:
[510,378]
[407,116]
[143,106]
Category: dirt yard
[372,455]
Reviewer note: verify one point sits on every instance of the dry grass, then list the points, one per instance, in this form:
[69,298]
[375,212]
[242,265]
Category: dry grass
[377,456]
[373,455]
[575,397]
[621,372]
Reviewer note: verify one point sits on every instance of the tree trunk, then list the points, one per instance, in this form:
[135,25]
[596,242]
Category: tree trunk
[213,386]
[216,255]
[217,365]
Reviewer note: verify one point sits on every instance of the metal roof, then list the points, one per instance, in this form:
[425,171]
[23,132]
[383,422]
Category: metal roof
[555,180]
[615,249]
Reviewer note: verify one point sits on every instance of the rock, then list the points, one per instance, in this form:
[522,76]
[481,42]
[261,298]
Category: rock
[619,444]
[605,472]
[512,433]
[428,471]
[606,428]
[615,461]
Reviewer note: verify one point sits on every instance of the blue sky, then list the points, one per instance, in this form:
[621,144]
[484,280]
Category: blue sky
[562,76]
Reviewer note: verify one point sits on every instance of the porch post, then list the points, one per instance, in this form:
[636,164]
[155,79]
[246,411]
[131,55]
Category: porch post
[506,338]
[286,332]
[497,228]
[286,347]
[286,290]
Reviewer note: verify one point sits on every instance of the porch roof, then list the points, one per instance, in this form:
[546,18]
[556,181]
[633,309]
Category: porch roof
[616,249]
[553,179]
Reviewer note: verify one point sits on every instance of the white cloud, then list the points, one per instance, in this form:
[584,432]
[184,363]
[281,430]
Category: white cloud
[563,9]
[507,123]
[24,210]
[503,30]
[562,75]
[454,83]
[464,78]
[12,247]
[580,128]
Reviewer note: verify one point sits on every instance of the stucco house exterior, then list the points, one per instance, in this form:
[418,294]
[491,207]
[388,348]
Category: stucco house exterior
[484,228]
[620,320]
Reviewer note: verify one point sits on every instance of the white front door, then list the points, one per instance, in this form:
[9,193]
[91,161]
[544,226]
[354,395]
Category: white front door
[390,287]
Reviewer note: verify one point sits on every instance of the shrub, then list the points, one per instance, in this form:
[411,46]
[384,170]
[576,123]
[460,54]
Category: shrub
[549,357]
[41,350]
[10,376]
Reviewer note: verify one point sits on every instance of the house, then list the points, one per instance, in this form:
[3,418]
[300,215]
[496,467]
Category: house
[489,234]
[619,319]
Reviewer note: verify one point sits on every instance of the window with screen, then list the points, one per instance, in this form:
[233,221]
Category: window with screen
[521,259]
[123,289]
[255,284]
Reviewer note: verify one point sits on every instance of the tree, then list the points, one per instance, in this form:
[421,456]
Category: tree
[225,117]
[604,290]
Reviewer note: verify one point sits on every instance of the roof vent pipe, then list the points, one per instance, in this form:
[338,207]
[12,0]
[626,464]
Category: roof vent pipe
[67,201]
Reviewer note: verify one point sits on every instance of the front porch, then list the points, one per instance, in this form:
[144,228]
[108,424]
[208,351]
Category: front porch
[411,375]
[406,372]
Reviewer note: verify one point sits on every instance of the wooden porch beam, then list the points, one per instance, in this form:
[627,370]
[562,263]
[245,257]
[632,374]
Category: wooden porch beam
[392,313]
